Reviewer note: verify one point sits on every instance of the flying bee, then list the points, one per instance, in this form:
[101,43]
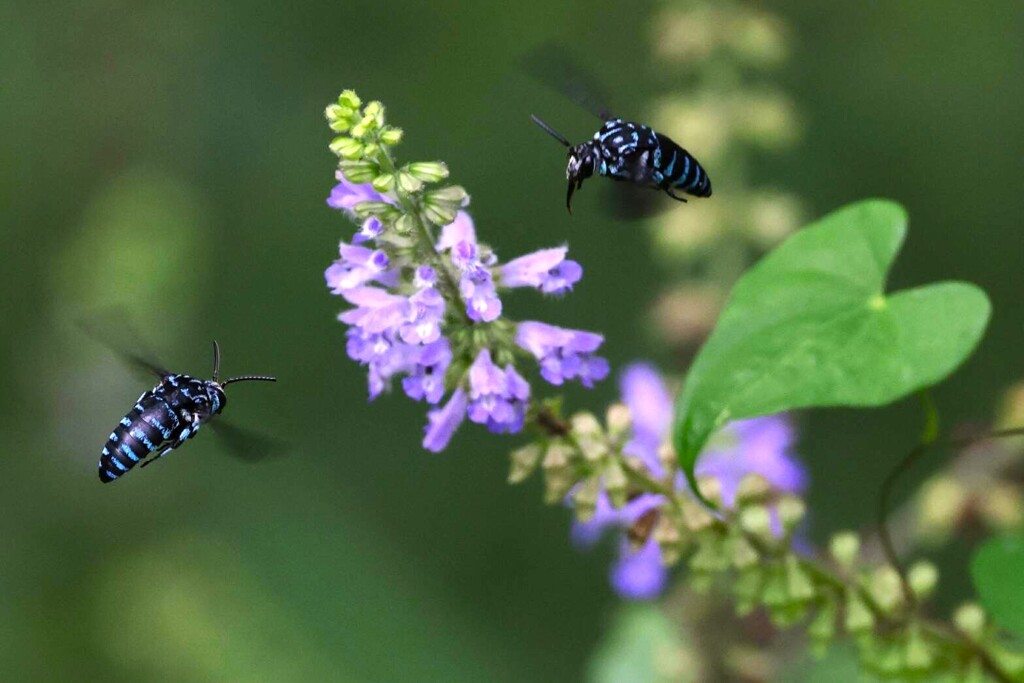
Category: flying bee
[634,153]
[169,414]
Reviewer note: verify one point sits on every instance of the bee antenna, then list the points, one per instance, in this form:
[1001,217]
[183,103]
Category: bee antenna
[249,378]
[216,360]
[551,131]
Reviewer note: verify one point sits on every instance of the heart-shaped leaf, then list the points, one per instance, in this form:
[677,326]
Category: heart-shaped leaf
[998,571]
[811,325]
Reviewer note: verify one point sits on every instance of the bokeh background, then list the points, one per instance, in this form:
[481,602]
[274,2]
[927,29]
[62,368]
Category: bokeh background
[170,159]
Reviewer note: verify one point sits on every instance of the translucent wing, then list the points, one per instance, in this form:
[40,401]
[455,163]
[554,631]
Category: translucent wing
[247,445]
[553,66]
[113,328]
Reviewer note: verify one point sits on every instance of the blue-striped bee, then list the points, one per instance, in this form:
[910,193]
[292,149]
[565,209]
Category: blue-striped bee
[635,153]
[167,415]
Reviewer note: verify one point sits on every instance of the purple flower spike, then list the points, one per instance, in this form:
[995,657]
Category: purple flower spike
[357,266]
[639,574]
[426,379]
[546,270]
[442,423]
[459,230]
[563,354]
[345,195]
[498,396]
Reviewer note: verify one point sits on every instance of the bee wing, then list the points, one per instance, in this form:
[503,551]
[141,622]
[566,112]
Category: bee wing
[247,445]
[113,328]
[552,65]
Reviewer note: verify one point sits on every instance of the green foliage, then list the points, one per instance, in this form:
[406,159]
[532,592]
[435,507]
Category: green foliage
[642,645]
[811,325]
[998,572]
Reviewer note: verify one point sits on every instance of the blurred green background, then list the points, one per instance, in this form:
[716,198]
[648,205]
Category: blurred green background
[171,158]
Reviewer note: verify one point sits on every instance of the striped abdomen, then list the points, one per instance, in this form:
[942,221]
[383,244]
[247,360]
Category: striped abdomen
[147,428]
[676,168]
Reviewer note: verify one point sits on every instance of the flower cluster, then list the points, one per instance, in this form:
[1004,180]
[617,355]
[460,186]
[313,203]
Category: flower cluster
[758,446]
[426,306]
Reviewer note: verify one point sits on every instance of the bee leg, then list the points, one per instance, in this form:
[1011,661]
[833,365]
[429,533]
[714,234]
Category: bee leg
[676,197]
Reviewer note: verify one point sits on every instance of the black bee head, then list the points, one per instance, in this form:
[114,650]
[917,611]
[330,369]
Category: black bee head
[216,396]
[582,160]
[582,163]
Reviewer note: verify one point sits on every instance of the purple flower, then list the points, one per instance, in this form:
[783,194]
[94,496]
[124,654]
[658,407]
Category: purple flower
[459,230]
[426,376]
[442,422]
[376,310]
[345,195]
[498,396]
[383,356]
[563,354]
[424,312]
[760,445]
[547,270]
[477,288]
[425,277]
[357,266]
[370,230]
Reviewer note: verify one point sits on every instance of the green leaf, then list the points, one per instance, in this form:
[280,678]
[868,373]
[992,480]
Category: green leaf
[811,325]
[998,572]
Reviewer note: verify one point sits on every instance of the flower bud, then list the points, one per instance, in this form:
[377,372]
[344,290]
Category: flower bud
[696,517]
[348,98]
[383,182]
[747,590]
[615,483]
[823,627]
[711,489]
[428,171]
[744,555]
[667,536]
[346,147]
[886,588]
[923,577]
[618,419]
[375,112]
[918,653]
[1001,506]
[791,512]
[391,135]
[523,461]
[845,546]
[370,149]
[940,505]
[359,171]
[859,618]
[752,489]
[585,498]
[409,182]
[798,582]
[439,214]
[711,556]
[454,194]
[970,619]
[559,476]
[756,520]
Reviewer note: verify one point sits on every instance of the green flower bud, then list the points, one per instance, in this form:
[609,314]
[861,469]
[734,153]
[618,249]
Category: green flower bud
[346,147]
[348,98]
[747,590]
[455,194]
[823,627]
[744,555]
[1011,662]
[374,111]
[918,654]
[381,210]
[370,149]
[405,224]
[589,436]
[359,171]
[753,488]
[859,618]
[798,582]
[616,483]
[776,592]
[668,538]
[558,472]
[845,547]
[428,171]
[756,520]
[711,556]
[618,419]
[695,516]
[791,511]
[523,461]
[970,619]
[384,182]
[923,577]
[711,489]
[391,136]
[439,214]
[585,498]
[409,182]
[887,588]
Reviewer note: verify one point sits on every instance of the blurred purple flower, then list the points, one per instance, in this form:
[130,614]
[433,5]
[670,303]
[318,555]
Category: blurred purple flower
[357,266]
[650,409]
[547,270]
[563,354]
[346,194]
[426,376]
[498,396]
[442,422]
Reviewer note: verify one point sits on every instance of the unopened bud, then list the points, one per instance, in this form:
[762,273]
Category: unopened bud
[453,194]
[791,512]
[1001,506]
[375,111]
[523,461]
[667,536]
[383,182]
[391,136]
[845,546]
[859,618]
[941,504]
[558,473]
[918,653]
[923,577]
[696,517]
[428,171]
[359,171]
[756,520]
[970,619]
[585,498]
[348,98]
[887,588]
[752,489]
[798,582]
[711,489]
[744,555]
[409,182]
[618,419]
[615,483]
[346,147]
